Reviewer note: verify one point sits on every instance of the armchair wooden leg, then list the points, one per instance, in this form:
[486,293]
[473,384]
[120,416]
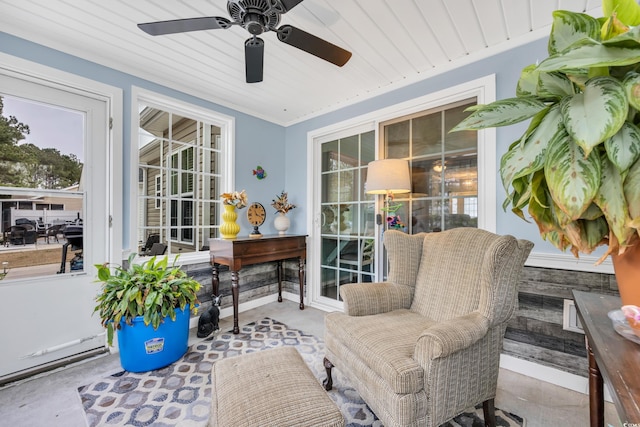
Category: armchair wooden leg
[489,413]
[328,383]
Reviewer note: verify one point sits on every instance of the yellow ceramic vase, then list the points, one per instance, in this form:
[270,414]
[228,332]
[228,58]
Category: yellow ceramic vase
[229,229]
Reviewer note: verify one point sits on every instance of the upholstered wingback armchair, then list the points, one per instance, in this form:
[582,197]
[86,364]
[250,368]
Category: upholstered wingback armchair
[425,345]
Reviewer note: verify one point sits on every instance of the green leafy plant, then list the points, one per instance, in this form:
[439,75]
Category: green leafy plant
[152,290]
[576,167]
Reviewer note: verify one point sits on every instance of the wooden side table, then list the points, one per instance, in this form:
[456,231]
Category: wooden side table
[612,358]
[238,252]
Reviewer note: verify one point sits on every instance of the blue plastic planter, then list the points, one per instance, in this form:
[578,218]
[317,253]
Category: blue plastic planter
[144,349]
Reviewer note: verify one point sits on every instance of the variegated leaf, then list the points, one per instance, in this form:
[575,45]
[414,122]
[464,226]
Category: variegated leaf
[501,113]
[596,231]
[528,82]
[590,53]
[554,85]
[569,27]
[573,232]
[628,39]
[597,113]
[557,239]
[592,212]
[632,190]
[540,205]
[586,235]
[631,85]
[612,27]
[573,180]
[524,159]
[623,148]
[521,195]
[611,201]
[628,11]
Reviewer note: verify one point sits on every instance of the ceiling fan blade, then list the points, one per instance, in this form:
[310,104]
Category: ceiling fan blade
[254,59]
[290,4]
[184,25]
[314,45]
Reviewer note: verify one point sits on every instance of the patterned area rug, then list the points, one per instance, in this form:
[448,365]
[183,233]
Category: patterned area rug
[180,394]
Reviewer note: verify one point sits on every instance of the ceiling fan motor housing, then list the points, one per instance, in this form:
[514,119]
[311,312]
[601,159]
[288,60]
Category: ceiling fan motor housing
[256,16]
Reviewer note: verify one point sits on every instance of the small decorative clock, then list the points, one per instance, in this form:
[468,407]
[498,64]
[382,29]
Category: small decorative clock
[256,215]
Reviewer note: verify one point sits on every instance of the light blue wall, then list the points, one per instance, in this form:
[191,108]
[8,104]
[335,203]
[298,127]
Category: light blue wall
[505,66]
[257,141]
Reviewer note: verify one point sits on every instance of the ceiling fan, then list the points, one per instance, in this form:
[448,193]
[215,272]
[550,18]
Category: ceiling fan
[257,17]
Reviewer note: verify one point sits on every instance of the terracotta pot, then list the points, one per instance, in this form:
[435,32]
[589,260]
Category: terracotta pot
[627,269]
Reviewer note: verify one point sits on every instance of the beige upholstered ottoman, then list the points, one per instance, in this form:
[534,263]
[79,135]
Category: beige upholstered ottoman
[269,388]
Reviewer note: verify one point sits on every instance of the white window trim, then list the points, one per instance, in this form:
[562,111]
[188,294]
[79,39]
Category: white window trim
[227,128]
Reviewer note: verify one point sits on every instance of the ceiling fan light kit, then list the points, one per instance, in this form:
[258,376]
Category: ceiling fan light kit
[257,17]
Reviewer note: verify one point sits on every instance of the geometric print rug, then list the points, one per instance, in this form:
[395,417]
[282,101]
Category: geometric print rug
[180,394]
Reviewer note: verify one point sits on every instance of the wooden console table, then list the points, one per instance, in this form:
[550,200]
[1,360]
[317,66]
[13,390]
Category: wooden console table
[611,357]
[239,252]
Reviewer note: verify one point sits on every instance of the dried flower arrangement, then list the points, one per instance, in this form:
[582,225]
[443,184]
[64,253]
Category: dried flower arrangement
[235,198]
[281,203]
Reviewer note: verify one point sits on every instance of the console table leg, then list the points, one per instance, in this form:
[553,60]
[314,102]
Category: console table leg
[596,392]
[236,295]
[215,279]
[301,279]
[280,274]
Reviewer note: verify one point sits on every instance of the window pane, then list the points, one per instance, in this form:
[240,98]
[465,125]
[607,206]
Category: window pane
[330,156]
[349,157]
[183,129]
[396,140]
[463,140]
[426,178]
[427,135]
[367,147]
[461,175]
[348,186]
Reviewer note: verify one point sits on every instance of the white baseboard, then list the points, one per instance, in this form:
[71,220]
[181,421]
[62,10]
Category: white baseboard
[549,374]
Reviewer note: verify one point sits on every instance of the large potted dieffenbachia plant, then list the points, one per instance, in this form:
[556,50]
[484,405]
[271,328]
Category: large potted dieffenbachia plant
[149,305]
[576,168]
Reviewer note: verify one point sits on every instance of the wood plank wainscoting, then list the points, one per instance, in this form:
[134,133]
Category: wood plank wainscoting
[536,333]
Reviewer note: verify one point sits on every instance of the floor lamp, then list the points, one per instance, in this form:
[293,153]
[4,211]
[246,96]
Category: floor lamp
[388,177]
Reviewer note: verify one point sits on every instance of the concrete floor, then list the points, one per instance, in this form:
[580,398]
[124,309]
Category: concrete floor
[51,399]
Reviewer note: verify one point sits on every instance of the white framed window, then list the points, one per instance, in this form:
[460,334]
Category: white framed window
[187,156]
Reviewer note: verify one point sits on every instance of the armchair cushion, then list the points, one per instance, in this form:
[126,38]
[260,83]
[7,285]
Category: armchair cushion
[384,343]
[405,253]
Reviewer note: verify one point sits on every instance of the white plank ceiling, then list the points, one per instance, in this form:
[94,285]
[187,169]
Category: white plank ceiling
[394,43]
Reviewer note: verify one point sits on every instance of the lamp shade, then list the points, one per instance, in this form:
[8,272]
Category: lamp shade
[388,176]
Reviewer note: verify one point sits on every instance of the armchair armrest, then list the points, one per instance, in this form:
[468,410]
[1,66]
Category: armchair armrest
[363,299]
[445,338]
